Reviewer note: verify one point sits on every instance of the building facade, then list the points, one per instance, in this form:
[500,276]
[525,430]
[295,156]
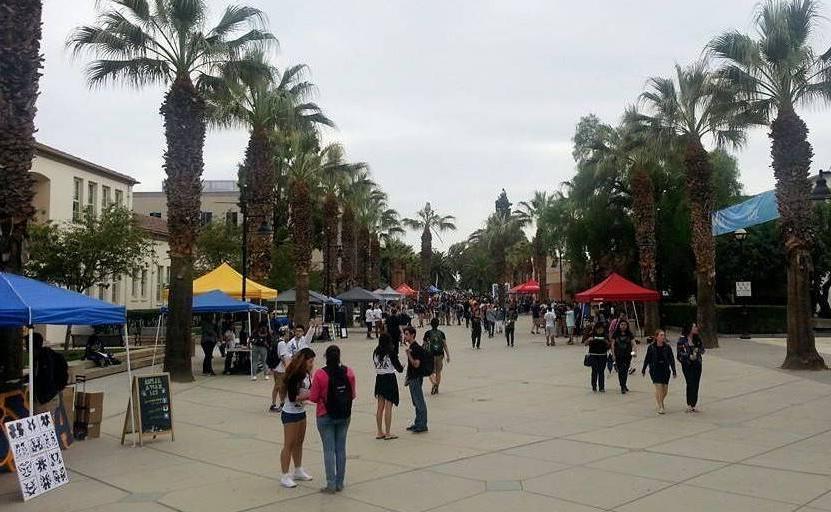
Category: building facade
[66,187]
[219,203]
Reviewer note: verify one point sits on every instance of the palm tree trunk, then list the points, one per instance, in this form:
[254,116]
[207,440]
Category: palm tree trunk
[330,241]
[20,62]
[541,265]
[374,261]
[792,154]
[643,207]
[260,176]
[184,121]
[700,193]
[426,256]
[301,220]
[347,237]
[362,261]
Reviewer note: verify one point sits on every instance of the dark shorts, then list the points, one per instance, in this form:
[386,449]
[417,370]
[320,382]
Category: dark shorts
[288,417]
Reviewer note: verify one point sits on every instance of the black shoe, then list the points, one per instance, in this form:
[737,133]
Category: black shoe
[594,390]
[602,390]
[411,428]
[419,430]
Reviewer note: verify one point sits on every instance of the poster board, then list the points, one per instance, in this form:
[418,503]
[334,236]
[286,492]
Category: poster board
[37,455]
[150,407]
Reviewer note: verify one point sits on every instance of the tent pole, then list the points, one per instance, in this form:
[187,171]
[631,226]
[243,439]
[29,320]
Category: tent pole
[130,383]
[250,347]
[32,370]
[640,331]
[156,341]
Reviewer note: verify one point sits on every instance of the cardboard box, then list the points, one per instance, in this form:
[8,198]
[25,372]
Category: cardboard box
[89,407]
[93,430]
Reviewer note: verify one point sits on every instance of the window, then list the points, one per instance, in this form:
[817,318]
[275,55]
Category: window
[77,199]
[205,217]
[119,197]
[102,289]
[156,214]
[144,283]
[92,197]
[116,290]
[106,197]
[231,218]
[135,281]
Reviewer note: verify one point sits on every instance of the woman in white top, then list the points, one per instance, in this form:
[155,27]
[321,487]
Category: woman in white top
[386,386]
[298,382]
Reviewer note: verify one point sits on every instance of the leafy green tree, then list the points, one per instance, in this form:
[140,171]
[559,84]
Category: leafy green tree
[685,110]
[81,255]
[218,242]
[141,43]
[502,230]
[20,63]
[773,74]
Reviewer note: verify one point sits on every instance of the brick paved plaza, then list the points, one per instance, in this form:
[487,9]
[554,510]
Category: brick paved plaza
[513,430]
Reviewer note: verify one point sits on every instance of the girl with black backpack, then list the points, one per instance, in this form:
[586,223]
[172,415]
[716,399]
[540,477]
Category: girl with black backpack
[333,390]
[298,389]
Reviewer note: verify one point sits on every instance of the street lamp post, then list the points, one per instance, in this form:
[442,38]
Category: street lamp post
[741,236]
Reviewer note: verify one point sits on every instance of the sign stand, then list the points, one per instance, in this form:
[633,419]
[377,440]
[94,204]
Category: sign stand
[149,408]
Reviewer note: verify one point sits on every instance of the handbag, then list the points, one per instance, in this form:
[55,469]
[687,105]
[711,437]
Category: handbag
[587,361]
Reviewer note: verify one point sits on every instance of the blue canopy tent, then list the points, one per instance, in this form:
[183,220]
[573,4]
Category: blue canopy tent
[214,301]
[26,302]
[433,289]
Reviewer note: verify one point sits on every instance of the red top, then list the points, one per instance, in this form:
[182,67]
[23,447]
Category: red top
[320,387]
[617,289]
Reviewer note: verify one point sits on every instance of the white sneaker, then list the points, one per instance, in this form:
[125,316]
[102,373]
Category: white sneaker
[301,475]
[266,377]
[286,481]
[254,377]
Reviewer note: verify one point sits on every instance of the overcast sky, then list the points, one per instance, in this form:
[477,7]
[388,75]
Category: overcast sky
[448,101]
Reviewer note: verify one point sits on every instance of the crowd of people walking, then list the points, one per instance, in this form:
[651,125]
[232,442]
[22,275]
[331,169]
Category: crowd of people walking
[610,347]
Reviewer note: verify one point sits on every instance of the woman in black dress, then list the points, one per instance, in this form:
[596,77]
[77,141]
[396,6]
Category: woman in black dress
[623,346]
[386,385]
[660,361]
[690,352]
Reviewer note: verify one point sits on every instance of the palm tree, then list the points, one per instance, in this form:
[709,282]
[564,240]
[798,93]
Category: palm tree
[336,176]
[394,255]
[629,153]
[442,271]
[20,64]
[142,43]
[532,212]
[502,230]
[262,103]
[352,194]
[774,73]
[429,222]
[376,221]
[687,109]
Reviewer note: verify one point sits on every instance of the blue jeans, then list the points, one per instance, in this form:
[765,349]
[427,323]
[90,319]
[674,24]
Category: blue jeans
[333,435]
[417,395]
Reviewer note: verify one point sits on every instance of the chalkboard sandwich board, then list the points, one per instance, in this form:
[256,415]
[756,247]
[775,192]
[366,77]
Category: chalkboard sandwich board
[150,408]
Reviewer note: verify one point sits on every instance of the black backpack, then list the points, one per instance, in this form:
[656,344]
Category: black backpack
[339,394]
[425,367]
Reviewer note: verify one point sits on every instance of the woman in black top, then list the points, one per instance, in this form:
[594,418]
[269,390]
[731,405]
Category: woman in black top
[660,361]
[622,349]
[690,352]
[598,348]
